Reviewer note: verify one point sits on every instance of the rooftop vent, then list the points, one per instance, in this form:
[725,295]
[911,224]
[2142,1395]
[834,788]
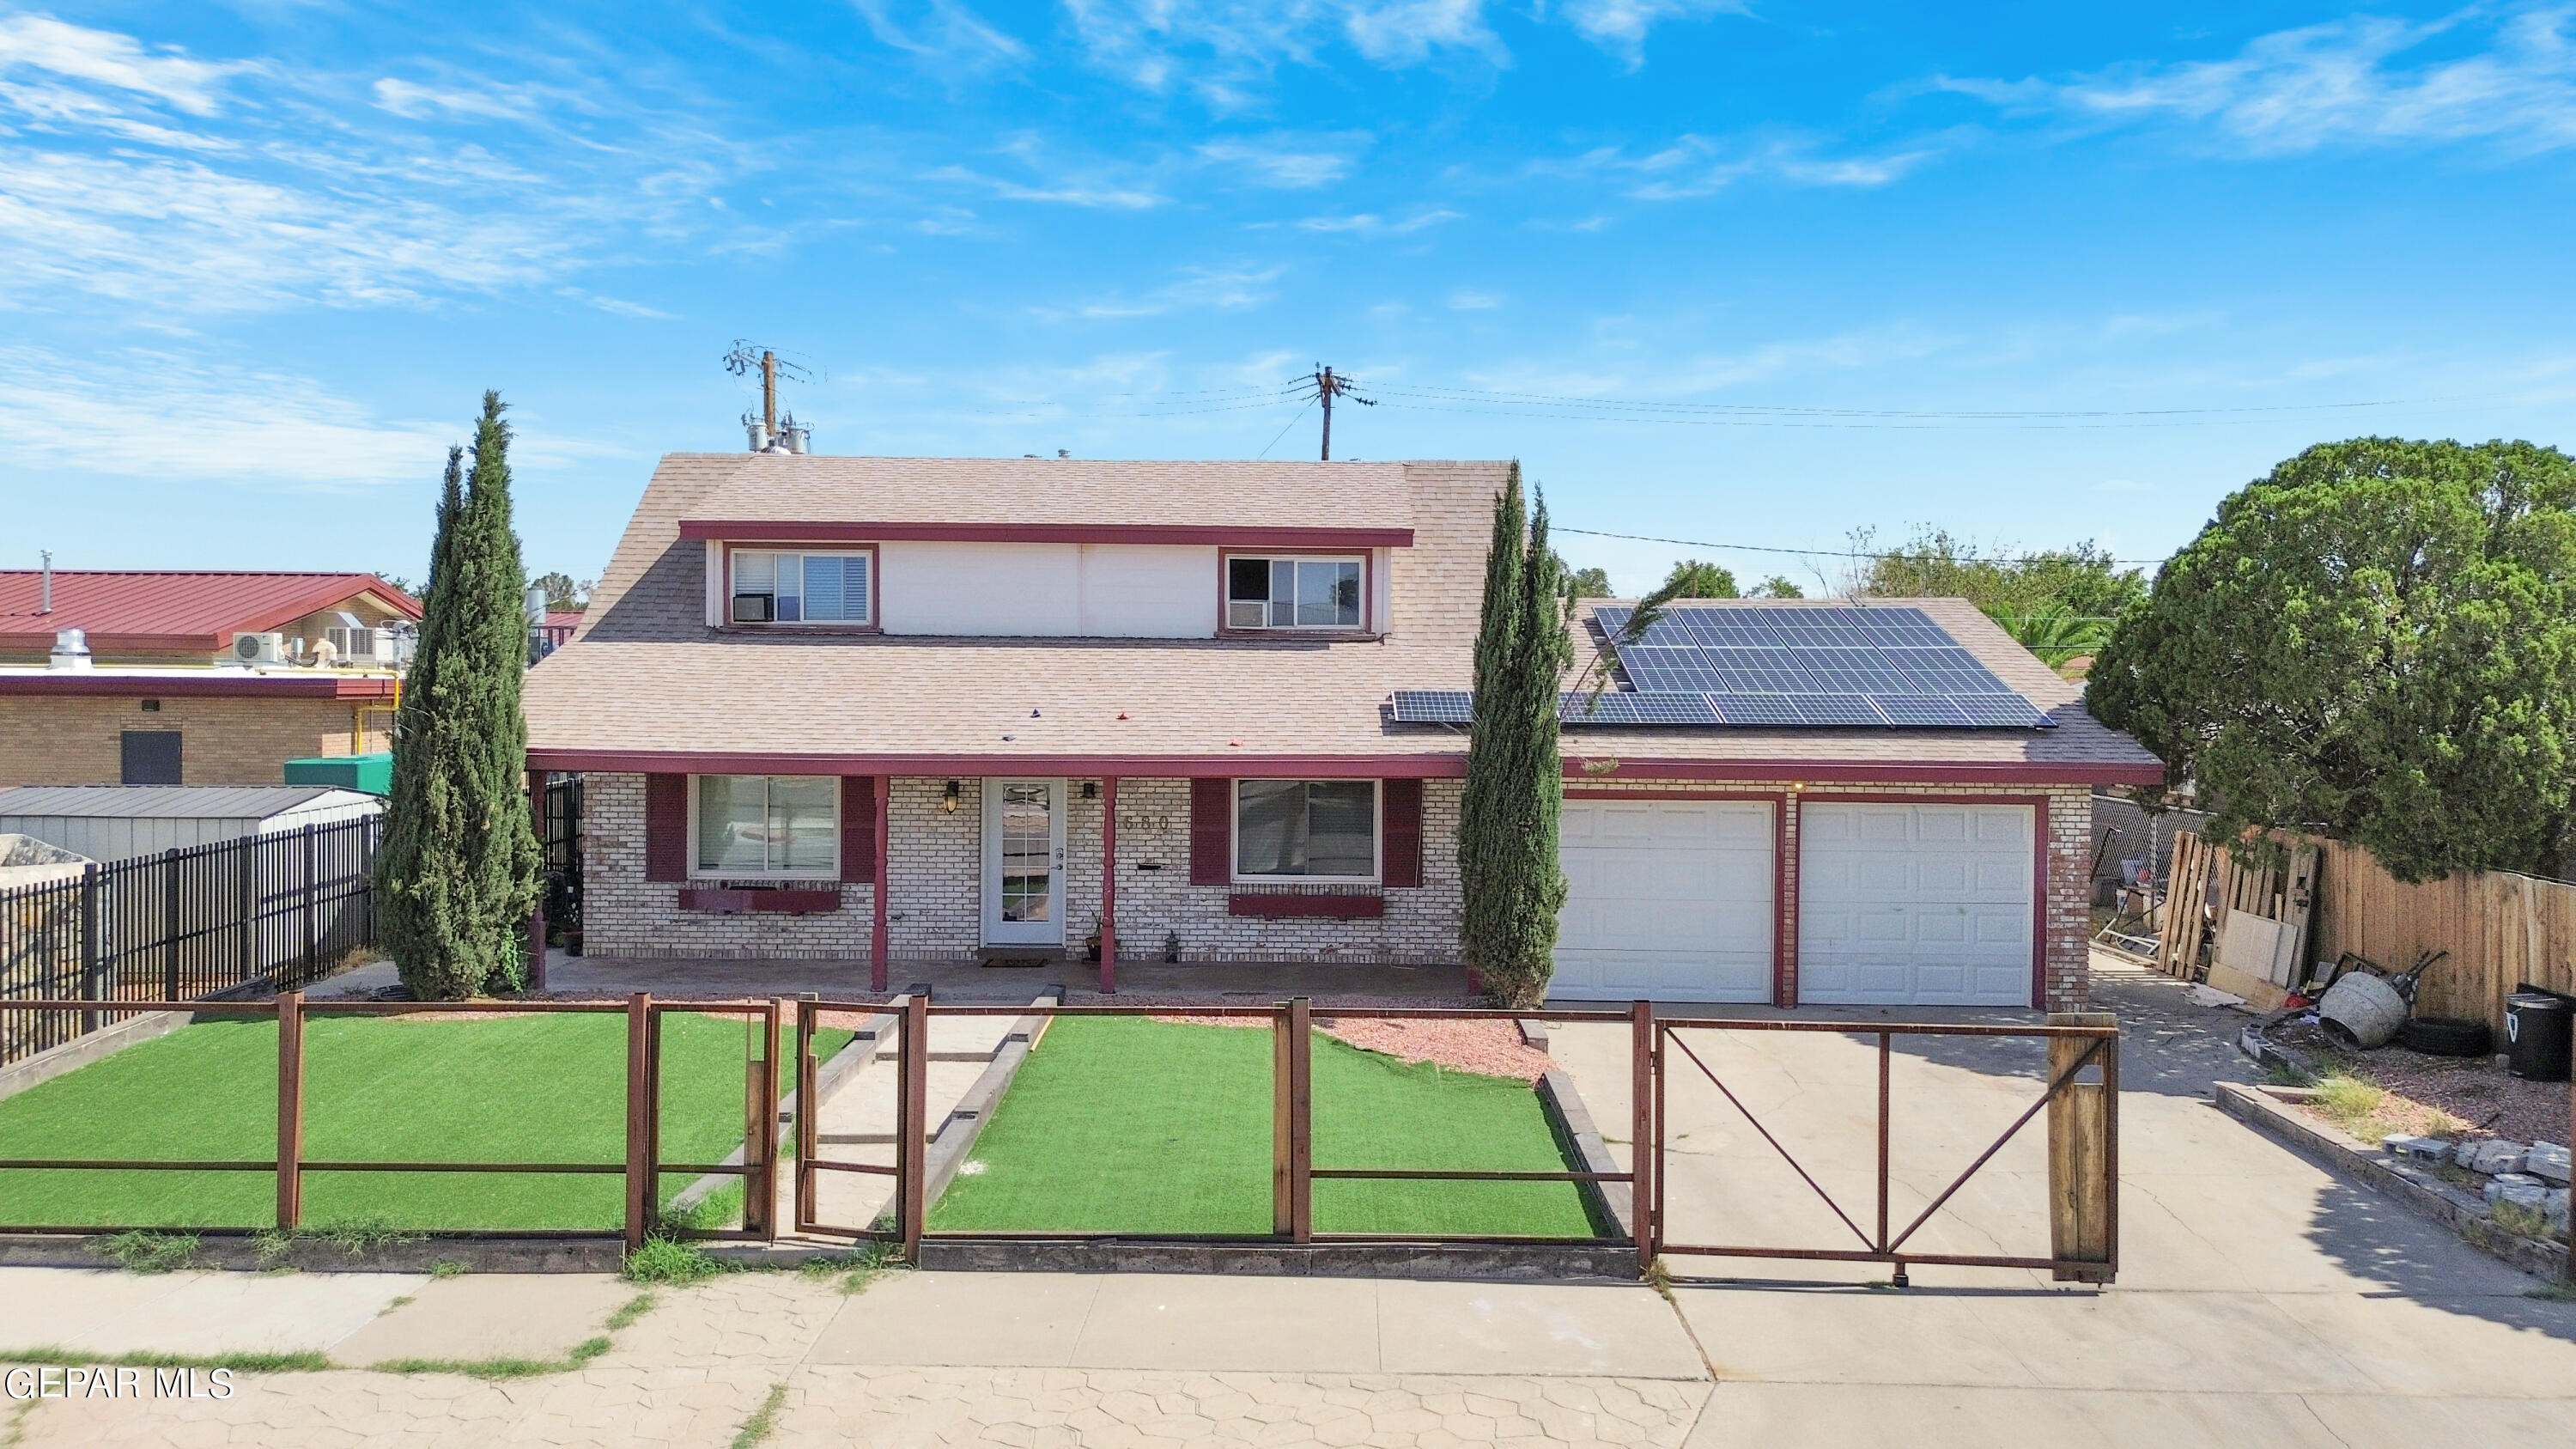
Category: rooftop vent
[71,650]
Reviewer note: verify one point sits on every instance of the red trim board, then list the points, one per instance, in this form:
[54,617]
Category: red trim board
[1248,536]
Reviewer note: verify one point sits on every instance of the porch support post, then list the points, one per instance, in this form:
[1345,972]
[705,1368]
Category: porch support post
[885,872]
[1108,884]
[537,917]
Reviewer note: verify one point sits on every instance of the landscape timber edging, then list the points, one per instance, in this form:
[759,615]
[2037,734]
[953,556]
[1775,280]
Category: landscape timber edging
[2266,1110]
[965,1122]
[80,1051]
[1602,1261]
[1608,1202]
[244,1252]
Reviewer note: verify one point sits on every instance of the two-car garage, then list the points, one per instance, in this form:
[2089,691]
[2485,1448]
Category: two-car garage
[1913,902]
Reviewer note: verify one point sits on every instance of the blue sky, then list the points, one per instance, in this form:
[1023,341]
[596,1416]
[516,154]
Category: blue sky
[1760,273]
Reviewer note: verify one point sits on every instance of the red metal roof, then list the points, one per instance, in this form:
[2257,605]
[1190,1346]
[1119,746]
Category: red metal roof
[173,611]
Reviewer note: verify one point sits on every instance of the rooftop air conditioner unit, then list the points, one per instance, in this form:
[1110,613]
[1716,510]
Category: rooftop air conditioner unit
[259,648]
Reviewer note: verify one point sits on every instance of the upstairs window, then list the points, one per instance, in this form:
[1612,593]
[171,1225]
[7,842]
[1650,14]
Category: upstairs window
[773,587]
[1292,593]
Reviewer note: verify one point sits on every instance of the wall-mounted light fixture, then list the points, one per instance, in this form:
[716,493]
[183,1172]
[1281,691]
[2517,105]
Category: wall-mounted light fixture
[1091,789]
[948,798]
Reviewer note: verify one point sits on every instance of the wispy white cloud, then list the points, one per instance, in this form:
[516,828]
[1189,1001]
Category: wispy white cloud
[1199,289]
[2362,81]
[1369,223]
[1067,192]
[1620,26]
[1464,300]
[1288,162]
[1223,50]
[944,34]
[183,187]
[1693,165]
[42,43]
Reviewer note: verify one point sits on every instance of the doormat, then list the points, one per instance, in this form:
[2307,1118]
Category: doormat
[1017,962]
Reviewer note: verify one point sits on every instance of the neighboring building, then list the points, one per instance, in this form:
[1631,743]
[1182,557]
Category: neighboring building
[931,709]
[194,678]
[115,822]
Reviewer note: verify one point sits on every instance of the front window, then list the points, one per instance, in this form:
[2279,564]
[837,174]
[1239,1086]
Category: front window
[1305,830]
[775,587]
[1292,593]
[784,826]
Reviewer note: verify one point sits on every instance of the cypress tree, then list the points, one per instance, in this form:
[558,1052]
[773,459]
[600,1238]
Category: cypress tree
[459,869]
[1508,818]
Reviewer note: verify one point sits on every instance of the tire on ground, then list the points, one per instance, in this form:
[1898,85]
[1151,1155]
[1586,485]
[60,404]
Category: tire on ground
[2444,1036]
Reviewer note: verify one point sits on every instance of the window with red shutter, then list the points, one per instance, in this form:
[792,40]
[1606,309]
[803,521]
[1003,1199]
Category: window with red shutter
[859,828]
[1211,832]
[666,827]
[1400,833]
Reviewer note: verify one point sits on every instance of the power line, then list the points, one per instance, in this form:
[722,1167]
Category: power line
[1768,548]
[1624,404]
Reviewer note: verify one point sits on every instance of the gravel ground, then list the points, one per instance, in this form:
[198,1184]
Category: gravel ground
[1487,1048]
[2492,1101]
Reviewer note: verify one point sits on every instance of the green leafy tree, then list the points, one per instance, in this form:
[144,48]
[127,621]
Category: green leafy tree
[458,871]
[563,592]
[2083,582]
[2376,642]
[1515,790]
[1586,583]
[1699,579]
[2057,636]
[1777,586]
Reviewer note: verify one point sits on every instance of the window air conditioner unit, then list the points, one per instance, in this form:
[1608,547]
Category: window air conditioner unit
[259,648]
[755,608]
[354,645]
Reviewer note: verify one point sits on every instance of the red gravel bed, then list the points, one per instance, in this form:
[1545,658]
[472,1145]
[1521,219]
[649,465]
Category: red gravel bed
[2493,1101]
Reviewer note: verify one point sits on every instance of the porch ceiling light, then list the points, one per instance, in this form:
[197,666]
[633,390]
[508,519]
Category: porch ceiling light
[948,798]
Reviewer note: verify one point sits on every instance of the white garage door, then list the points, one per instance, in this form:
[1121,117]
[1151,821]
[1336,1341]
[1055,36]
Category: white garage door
[1669,899]
[1919,905]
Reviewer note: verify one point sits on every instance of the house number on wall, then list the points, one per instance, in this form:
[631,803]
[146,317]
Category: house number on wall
[1145,824]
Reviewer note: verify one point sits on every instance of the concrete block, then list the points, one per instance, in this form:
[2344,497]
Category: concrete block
[2518,1188]
[2498,1157]
[2548,1161]
[2400,1144]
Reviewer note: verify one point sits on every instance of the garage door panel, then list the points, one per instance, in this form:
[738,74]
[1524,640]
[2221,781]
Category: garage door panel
[1671,899]
[1915,904]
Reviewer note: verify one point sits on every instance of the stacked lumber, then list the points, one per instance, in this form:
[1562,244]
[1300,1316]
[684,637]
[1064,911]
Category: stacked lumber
[2256,917]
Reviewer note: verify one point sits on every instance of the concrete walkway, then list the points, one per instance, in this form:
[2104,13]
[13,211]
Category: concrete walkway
[2261,1302]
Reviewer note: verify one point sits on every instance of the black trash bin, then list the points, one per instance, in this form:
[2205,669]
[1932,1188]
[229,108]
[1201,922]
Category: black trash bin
[2537,1033]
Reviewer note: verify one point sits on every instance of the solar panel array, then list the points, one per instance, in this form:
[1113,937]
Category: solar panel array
[1824,666]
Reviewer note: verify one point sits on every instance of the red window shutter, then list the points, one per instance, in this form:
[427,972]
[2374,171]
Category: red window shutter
[1211,832]
[666,827]
[1400,833]
[859,828]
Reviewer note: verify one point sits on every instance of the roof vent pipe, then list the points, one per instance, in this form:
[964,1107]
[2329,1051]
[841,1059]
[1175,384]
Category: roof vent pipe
[48,606]
[71,650]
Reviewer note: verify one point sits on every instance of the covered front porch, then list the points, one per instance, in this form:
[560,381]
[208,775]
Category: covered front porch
[1057,878]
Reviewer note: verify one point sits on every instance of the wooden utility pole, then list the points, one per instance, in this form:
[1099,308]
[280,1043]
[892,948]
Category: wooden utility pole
[769,390]
[1324,386]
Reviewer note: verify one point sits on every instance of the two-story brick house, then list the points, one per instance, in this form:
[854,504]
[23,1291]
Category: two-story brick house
[882,709]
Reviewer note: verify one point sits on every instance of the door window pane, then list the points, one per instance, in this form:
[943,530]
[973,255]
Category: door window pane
[1028,852]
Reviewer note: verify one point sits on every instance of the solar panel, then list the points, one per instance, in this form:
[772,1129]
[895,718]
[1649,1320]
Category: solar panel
[1433,706]
[1821,666]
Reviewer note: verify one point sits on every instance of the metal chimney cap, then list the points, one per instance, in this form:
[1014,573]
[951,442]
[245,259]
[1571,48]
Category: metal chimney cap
[71,650]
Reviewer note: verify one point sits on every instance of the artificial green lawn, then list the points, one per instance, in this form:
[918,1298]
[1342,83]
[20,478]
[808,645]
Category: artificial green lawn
[1127,1125]
[539,1088]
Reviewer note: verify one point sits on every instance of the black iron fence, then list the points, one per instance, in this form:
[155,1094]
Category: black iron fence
[183,925]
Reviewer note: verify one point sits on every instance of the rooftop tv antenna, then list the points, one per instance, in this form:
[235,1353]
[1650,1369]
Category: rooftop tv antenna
[741,362]
[1322,385]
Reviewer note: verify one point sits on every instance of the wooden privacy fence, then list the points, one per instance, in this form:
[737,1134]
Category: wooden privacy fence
[2501,930]
[184,924]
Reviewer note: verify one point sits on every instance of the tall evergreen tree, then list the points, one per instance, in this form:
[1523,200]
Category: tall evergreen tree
[1508,819]
[459,871]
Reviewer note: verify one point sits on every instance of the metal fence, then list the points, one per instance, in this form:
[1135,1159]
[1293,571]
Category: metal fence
[183,925]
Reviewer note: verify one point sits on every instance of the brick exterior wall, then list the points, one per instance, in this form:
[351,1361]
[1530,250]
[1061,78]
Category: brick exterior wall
[55,739]
[936,896]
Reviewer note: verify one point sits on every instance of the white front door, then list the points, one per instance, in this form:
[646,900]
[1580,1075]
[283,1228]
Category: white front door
[1915,905]
[1668,899]
[1024,862]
